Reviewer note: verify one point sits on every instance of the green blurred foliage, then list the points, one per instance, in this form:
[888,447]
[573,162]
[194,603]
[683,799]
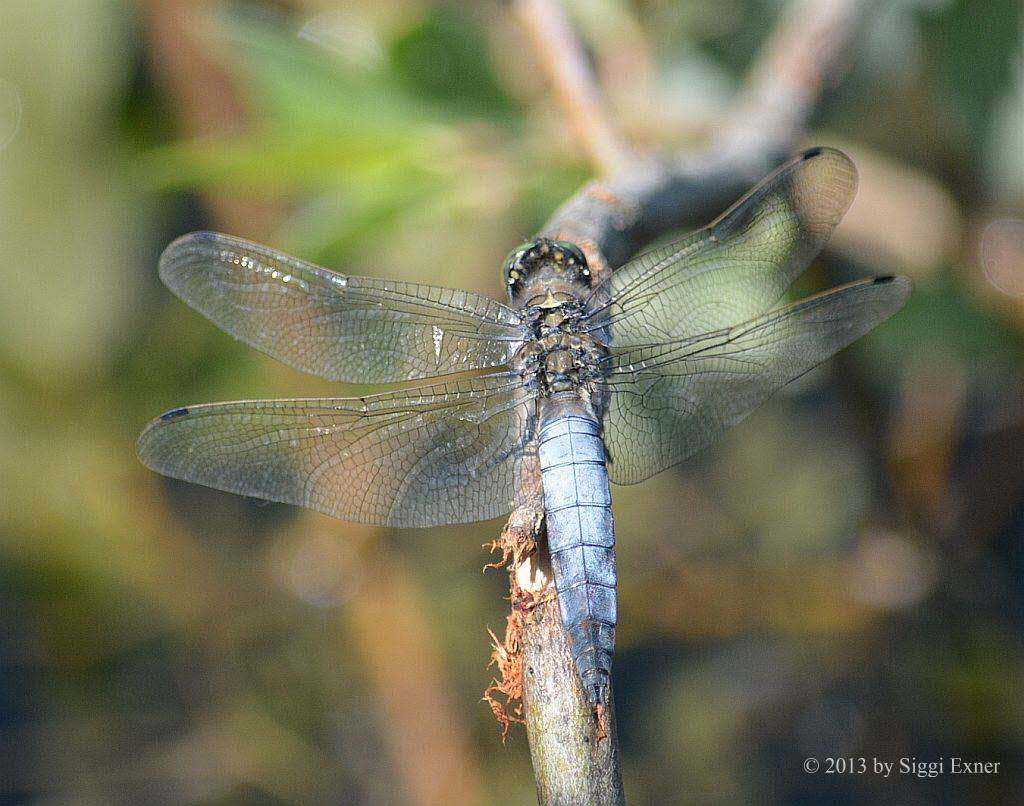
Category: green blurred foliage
[973,47]
[440,53]
[841,575]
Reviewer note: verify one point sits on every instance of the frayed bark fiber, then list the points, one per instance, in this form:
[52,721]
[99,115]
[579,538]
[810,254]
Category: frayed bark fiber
[518,546]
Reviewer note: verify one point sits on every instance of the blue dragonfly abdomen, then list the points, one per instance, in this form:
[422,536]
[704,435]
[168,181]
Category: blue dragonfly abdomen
[581,537]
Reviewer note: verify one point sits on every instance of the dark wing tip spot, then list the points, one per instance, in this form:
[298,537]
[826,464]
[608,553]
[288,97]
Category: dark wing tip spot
[174,414]
[811,152]
[888,278]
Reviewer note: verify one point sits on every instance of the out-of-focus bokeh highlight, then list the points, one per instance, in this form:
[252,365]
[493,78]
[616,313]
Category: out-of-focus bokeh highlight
[841,576]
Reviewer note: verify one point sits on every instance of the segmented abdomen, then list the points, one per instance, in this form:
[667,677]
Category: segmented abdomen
[581,537]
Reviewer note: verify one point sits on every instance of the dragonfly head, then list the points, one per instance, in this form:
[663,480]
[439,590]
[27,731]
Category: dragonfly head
[545,263]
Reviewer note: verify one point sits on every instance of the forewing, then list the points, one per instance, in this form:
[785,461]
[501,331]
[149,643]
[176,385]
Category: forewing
[666,402]
[356,329]
[737,267]
[445,453]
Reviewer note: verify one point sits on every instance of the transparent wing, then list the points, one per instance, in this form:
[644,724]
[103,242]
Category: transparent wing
[356,329]
[667,401]
[737,267]
[445,453]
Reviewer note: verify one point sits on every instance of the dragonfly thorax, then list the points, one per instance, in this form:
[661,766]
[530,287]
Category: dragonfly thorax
[560,361]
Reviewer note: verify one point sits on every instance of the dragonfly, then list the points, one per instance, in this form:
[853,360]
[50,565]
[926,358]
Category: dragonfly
[590,381]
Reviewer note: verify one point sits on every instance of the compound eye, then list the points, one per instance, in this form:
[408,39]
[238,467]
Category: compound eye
[572,252]
[514,275]
[575,257]
[578,254]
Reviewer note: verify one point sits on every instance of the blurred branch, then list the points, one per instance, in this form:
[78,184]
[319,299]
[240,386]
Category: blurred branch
[428,743]
[209,102]
[564,61]
[807,51]
[575,755]
[657,193]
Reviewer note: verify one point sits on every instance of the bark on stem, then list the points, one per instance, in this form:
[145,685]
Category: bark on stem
[572,763]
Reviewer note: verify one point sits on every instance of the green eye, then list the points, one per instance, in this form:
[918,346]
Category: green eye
[517,254]
[573,254]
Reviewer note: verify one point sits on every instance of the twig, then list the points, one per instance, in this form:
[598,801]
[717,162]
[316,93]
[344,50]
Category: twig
[575,754]
[658,193]
[643,198]
[806,52]
[564,62]
[209,102]
[432,765]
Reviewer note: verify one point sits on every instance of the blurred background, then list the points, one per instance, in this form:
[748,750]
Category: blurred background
[842,575]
